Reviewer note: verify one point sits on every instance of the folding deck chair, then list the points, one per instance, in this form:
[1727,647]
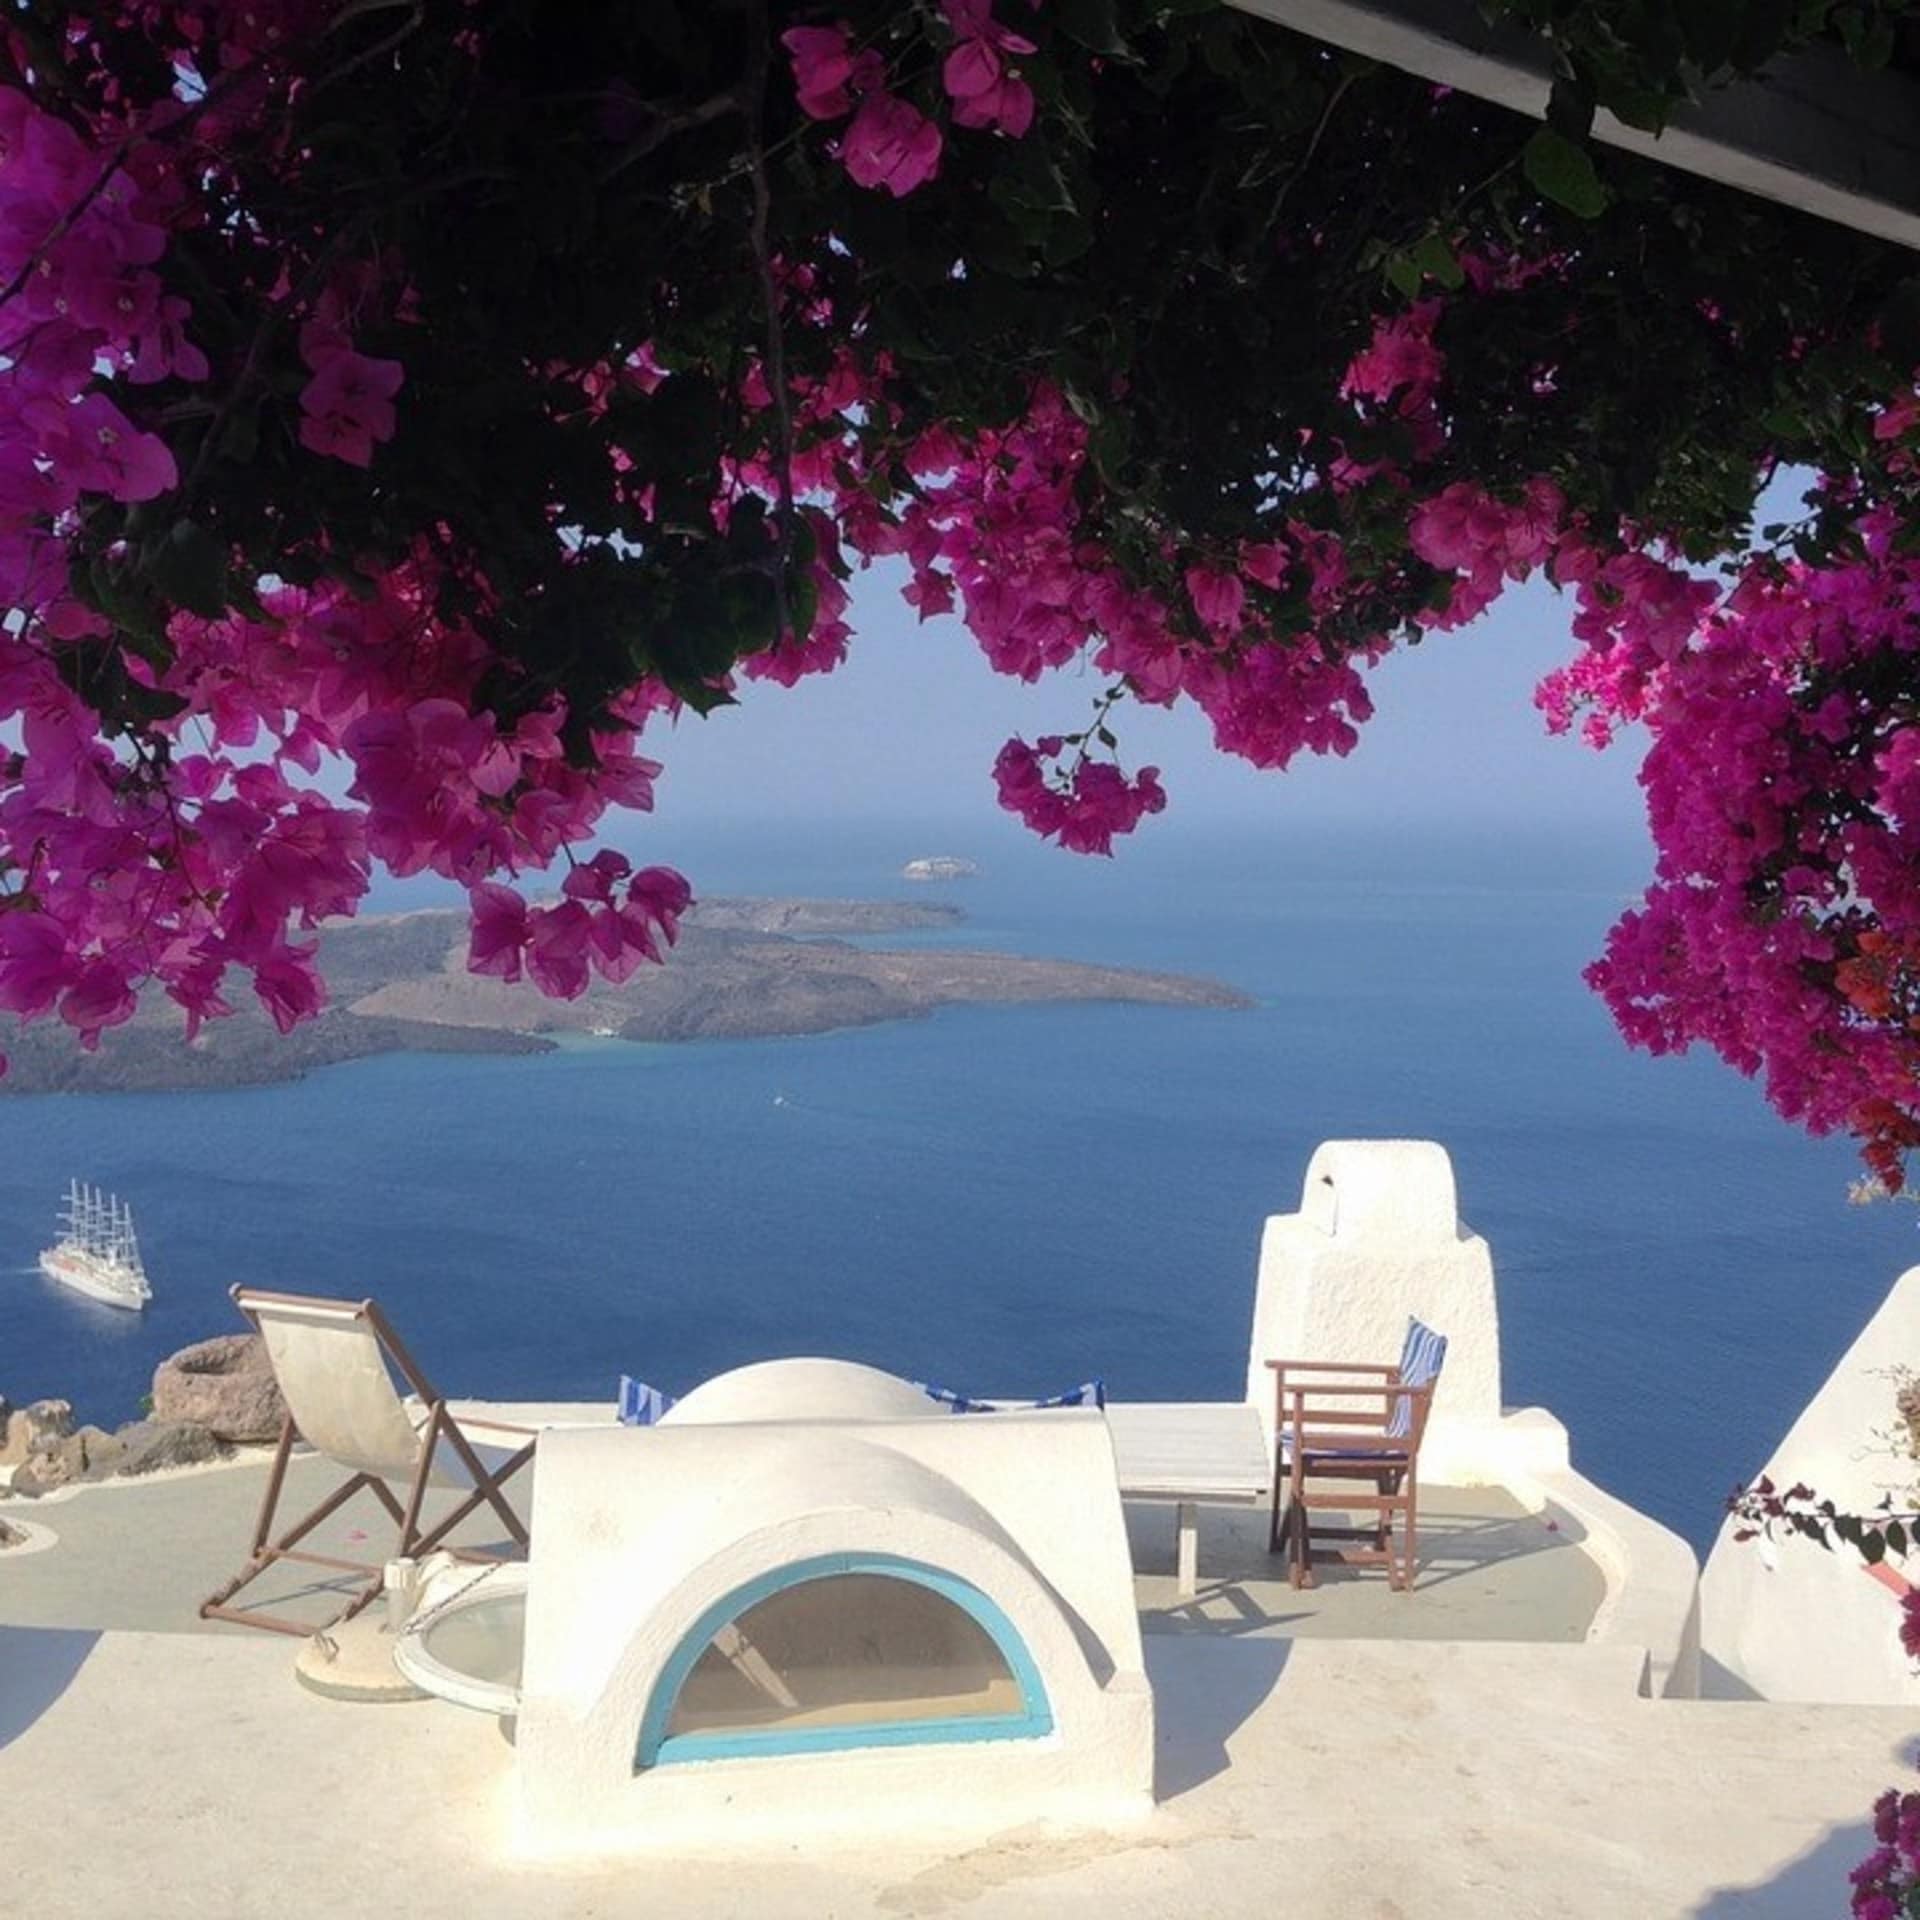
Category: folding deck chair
[335,1361]
[1318,1435]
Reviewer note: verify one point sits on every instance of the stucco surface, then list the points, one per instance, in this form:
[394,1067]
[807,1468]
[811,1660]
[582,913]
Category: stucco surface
[1794,1623]
[1388,1782]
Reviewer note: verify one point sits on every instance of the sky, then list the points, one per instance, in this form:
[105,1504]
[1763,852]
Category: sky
[909,726]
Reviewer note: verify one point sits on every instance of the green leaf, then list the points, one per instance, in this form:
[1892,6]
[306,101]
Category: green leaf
[1403,274]
[1110,442]
[1436,260]
[803,603]
[1564,173]
[1897,1538]
[1873,1548]
[702,698]
[1900,324]
[190,569]
[1570,108]
[1094,23]
[240,437]
[1639,107]
[1764,24]
[1067,238]
[1711,28]
[1876,45]
[150,706]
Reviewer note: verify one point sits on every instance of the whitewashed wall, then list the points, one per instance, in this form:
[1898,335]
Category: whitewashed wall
[1796,1623]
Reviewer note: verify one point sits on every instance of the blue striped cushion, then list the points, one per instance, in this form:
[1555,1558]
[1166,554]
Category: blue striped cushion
[1089,1393]
[1363,1447]
[1421,1358]
[640,1404]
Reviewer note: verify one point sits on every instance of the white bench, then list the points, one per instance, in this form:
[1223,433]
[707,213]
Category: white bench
[1186,1452]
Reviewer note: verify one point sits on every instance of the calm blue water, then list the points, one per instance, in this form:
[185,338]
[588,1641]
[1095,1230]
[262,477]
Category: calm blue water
[1013,1198]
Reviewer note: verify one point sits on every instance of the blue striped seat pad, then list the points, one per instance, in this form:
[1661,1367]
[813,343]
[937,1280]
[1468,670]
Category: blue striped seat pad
[1365,1448]
[1089,1393]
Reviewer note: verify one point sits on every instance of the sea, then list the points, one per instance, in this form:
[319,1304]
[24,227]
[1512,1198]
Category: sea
[1013,1199]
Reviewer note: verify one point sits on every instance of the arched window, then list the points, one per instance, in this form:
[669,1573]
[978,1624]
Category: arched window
[848,1650]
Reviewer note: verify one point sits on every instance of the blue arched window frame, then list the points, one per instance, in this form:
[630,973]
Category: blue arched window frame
[658,1748]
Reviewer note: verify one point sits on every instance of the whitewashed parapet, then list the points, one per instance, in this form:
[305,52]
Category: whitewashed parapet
[1377,1237]
[1794,1623]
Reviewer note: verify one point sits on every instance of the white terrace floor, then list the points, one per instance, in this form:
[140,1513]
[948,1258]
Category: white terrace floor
[1305,1769]
[142,1555]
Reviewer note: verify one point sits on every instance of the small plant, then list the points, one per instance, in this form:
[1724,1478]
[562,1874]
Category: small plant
[1886,1884]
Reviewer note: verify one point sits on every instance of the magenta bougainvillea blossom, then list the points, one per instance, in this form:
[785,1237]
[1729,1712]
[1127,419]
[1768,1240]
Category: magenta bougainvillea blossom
[1887,1881]
[266,633]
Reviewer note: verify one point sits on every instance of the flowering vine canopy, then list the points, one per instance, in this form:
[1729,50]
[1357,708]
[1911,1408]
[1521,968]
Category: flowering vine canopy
[455,390]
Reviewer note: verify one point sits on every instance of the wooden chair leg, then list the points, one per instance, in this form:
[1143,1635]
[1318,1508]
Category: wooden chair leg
[1303,1540]
[263,1527]
[1300,1562]
[1275,1539]
[1410,1512]
[488,1494]
[410,1518]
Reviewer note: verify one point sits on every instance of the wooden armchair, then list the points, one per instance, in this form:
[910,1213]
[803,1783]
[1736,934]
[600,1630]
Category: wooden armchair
[1320,1435]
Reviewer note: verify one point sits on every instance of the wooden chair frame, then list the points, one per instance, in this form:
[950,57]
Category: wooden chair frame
[403,1505]
[1320,1442]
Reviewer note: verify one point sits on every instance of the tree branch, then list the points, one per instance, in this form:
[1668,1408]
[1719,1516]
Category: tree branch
[776,348]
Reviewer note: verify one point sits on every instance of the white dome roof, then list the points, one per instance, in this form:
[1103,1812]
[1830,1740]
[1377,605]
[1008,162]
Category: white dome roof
[802,1390]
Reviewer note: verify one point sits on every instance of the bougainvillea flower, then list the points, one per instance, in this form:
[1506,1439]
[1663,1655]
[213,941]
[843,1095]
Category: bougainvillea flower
[890,144]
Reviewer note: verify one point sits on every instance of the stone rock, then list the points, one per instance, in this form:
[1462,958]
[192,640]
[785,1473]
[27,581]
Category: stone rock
[91,1452]
[29,1428]
[11,1536]
[145,1446]
[225,1384]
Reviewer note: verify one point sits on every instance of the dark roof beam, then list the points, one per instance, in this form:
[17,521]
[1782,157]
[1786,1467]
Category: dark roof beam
[1814,131]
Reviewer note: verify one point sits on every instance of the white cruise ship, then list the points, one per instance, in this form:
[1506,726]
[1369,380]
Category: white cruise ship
[97,1254]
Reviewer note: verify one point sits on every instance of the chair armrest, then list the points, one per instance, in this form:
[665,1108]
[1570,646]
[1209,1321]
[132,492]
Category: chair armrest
[1331,1366]
[1349,1390]
[1299,1419]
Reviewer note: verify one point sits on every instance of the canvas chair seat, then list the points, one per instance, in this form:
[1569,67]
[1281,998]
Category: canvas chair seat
[336,1362]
